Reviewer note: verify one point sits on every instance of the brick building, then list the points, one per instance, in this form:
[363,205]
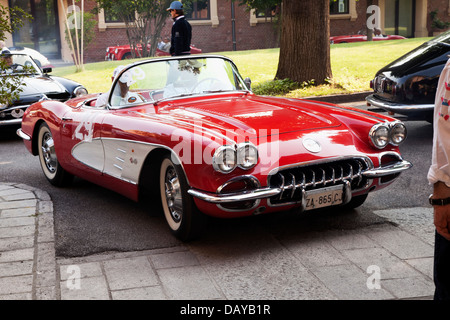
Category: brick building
[213,29]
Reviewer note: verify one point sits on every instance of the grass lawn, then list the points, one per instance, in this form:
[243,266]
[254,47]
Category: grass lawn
[353,66]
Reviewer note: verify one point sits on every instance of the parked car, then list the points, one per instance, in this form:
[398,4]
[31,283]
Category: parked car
[407,86]
[359,38]
[37,85]
[124,52]
[191,131]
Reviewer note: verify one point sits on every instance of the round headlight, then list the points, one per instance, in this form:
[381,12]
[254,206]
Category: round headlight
[379,135]
[80,91]
[397,133]
[224,159]
[247,155]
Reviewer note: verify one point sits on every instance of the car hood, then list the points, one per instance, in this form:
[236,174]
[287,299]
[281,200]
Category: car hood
[252,115]
[41,84]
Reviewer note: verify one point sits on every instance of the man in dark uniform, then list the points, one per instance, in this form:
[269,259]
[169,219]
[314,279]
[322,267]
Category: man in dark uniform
[181,31]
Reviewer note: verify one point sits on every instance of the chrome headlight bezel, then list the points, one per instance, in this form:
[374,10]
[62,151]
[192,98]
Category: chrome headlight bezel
[397,133]
[247,155]
[80,91]
[382,134]
[227,158]
[224,159]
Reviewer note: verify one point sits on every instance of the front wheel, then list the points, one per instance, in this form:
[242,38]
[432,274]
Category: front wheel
[182,216]
[53,171]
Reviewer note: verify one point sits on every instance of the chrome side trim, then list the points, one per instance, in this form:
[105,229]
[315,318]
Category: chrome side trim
[119,158]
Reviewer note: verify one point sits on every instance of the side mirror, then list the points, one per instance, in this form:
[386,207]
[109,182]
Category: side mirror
[248,83]
[47,70]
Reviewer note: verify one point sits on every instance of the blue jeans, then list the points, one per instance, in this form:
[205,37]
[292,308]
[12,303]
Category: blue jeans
[441,268]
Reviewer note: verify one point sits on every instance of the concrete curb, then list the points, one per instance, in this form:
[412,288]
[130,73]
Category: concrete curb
[27,244]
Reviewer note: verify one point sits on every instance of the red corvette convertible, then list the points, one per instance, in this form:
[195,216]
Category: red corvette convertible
[124,52]
[360,37]
[190,130]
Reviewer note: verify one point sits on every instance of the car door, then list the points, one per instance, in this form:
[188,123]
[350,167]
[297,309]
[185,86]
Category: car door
[80,137]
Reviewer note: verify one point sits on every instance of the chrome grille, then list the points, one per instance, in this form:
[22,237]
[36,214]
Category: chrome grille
[295,180]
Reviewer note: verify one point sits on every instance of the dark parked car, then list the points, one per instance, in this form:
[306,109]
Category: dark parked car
[407,86]
[37,86]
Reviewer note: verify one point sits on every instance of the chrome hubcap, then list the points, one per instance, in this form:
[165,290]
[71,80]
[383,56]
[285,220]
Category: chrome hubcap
[48,152]
[173,194]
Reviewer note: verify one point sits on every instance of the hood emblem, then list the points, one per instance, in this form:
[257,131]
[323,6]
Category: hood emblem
[312,145]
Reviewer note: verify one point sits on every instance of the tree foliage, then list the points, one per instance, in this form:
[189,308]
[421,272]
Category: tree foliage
[304,42]
[11,19]
[144,20]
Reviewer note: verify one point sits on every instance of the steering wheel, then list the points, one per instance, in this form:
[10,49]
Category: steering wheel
[211,80]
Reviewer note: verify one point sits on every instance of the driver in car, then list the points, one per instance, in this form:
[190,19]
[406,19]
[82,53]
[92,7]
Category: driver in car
[9,66]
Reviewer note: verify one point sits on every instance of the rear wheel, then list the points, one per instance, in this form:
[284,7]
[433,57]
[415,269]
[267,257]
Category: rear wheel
[182,216]
[53,171]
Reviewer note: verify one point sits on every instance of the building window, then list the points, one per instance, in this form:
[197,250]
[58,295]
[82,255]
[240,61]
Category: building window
[198,10]
[269,13]
[339,7]
[110,17]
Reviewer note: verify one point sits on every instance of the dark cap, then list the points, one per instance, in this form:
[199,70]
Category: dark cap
[5,53]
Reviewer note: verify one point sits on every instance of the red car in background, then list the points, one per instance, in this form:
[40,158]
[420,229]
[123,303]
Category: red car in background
[361,37]
[124,52]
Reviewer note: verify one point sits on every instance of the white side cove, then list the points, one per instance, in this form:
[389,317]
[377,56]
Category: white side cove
[122,159]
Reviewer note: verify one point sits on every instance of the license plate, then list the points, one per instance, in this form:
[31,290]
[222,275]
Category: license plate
[324,197]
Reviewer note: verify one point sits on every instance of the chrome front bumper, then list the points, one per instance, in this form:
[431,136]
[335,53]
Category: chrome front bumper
[262,193]
[405,109]
[10,122]
[12,119]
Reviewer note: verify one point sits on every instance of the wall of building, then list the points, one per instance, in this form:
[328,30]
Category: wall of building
[443,7]
[248,36]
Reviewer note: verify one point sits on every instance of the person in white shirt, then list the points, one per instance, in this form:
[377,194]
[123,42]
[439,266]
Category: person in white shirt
[439,177]
[121,95]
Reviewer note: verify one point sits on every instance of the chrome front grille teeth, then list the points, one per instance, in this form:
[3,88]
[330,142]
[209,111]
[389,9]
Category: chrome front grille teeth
[294,182]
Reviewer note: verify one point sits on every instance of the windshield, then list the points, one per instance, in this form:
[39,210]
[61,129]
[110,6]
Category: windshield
[158,80]
[19,64]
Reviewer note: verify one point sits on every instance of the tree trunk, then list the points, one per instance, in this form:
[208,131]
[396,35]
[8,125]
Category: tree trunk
[305,43]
